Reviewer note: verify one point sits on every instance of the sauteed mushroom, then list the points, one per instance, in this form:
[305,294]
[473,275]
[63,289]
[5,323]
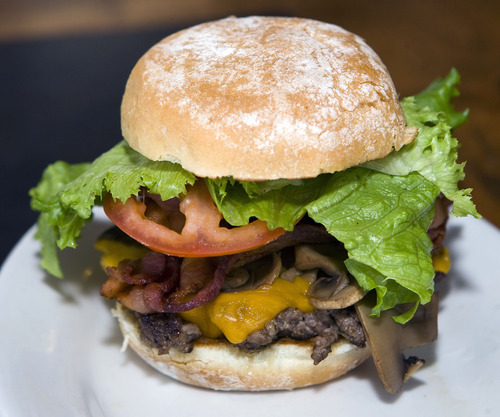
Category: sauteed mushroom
[254,274]
[333,291]
[388,340]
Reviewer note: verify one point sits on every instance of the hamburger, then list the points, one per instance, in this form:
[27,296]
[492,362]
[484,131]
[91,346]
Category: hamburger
[278,212]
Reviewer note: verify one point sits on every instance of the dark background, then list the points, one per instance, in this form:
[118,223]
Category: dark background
[61,84]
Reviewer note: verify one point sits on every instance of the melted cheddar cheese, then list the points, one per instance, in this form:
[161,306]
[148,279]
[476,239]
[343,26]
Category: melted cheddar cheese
[114,251]
[441,260]
[238,314]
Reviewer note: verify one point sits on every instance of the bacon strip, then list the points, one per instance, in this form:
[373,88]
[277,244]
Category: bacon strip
[190,295]
[160,283]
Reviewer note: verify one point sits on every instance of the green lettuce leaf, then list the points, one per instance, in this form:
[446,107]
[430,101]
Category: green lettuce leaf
[382,221]
[279,203]
[389,292]
[434,152]
[45,198]
[437,98]
[66,193]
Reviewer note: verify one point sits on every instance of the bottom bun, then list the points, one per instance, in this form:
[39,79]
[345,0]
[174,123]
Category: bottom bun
[218,365]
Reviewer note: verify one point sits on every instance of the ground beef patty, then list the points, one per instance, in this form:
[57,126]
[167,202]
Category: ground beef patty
[165,331]
[322,326]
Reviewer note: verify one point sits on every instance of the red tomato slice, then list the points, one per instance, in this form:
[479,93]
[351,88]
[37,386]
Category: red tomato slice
[201,235]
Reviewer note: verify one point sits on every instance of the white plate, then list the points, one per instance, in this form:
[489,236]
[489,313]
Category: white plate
[60,348]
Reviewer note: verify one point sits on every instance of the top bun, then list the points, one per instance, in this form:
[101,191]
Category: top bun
[261,98]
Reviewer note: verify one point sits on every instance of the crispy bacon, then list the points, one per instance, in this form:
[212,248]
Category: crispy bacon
[200,282]
[161,283]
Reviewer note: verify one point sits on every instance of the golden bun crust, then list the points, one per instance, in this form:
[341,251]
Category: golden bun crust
[218,365]
[261,98]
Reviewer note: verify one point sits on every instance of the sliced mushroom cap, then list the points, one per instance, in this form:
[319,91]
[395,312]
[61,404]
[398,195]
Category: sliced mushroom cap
[388,340]
[250,276]
[318,256]
[333,291]
[346,297]
[302,233]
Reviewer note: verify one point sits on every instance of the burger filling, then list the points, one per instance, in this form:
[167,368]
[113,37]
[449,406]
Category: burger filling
[295,287]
